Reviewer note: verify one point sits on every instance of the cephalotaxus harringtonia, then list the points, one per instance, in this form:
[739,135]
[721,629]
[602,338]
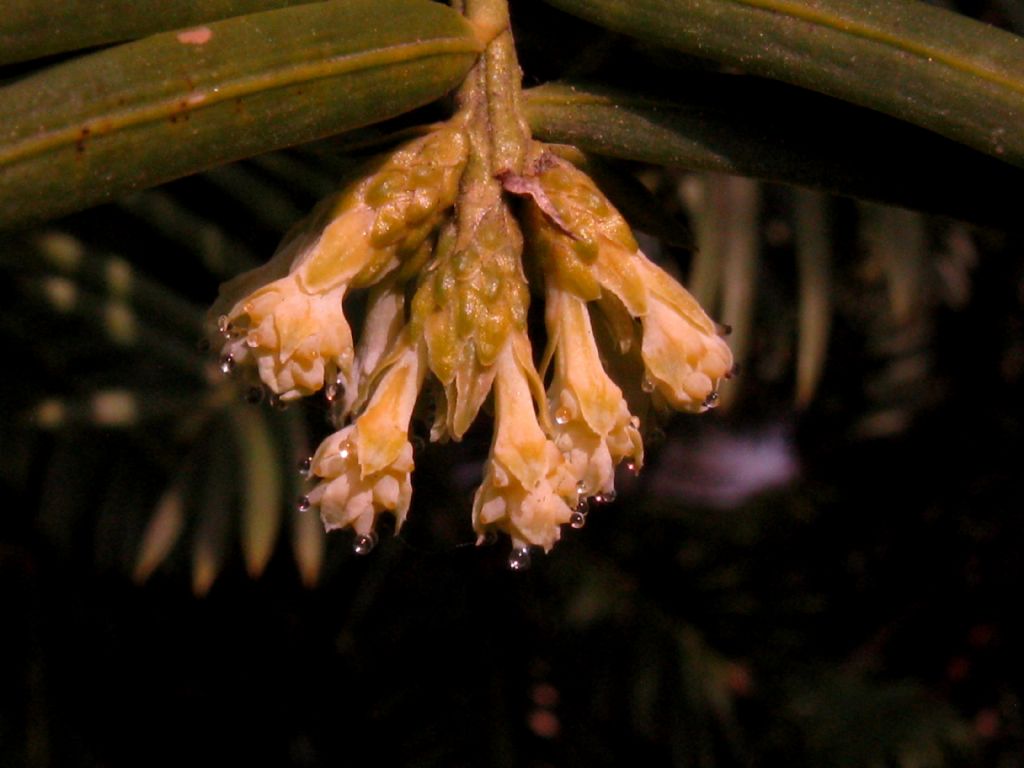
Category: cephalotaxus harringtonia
[451,235]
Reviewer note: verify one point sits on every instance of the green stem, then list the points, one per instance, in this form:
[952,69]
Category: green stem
[479,189]
[497,83]
[509,131]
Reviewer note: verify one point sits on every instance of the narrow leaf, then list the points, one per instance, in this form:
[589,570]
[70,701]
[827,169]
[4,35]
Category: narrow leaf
[112,408]
[145,112]
[33,28]
[705,278]
[814,265]
[897,241]
[162,532]
[757,128]
[107,275]
[932,67]
[113,320]
[210,542]
[220,252]
[261,488]
[308,538]
[736,209]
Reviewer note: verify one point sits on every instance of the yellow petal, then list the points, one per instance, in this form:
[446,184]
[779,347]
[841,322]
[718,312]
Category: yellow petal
[383,428]
[343,250]
[519,442]
[600,400]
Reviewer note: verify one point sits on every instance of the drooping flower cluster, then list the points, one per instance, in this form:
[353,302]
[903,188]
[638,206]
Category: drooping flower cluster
[287,316]
[446,272]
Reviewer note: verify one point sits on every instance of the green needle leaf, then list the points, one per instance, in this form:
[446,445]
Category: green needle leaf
[950,74]
[758,128]
[261,473]
[33,28]
[145,112]
[735,214]
[814,265]
[215,500]
[162,533]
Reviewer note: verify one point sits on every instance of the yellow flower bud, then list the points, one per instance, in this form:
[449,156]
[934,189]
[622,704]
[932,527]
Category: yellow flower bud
[590,421]
[448,296]
[471,298]
[294,328]
[685,359]
[527,491]
[365,468]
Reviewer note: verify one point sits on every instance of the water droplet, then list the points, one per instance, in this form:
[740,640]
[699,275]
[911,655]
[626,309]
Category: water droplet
[305,504]
[724,329]
[582,507]
[562,416]
[276,402]
[631,466]
[577,520]
[335,390]
[519,559]
[711,400]
[489,538]
[363,545]
[224,325]
[647,385]
[203,345]
[605,497]
[581,488]
[305,466]
[345,451]
[227,364]
[254,395]
[734,371]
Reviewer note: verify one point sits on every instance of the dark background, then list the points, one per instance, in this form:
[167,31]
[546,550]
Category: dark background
[838,585]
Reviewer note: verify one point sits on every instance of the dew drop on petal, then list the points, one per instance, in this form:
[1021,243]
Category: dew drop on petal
[581,488]
[345,451]
[364,544]
[305,504]
[488,538]
[605,497]
[305,466]
[711,400]
[227,363]
[582,507]
[647,385]
[562,416]
[577,520]
[519,559]
[223,325]
[631,466]
[335,390]
[276,402]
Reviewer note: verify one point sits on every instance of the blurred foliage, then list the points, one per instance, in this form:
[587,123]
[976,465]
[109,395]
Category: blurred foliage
[825,571]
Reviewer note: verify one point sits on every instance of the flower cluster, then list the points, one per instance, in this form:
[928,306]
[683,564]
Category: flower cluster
[445,267]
